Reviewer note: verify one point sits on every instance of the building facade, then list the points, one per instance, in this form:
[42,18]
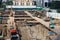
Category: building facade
[38,2]
[28,2]
[23,2]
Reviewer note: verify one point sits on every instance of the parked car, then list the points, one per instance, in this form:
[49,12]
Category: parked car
[14,36]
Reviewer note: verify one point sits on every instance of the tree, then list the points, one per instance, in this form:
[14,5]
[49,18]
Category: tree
[55,5]
[0,3]
[9,3]
[58,10]
[34,2]
[4,5]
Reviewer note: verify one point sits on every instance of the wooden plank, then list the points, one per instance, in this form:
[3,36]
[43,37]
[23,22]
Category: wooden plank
[20,15]
[41,21]
[22,18]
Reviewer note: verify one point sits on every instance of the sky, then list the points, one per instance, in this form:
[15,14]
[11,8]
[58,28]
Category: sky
[46,0]
[4,0]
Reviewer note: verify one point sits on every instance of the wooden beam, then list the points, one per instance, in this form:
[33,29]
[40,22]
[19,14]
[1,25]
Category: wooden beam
[46,25]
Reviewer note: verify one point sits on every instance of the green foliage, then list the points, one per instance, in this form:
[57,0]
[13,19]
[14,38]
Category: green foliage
[9,3]
[49,11]
[55,5]
[0,3]
[58,10]
[4,4]
[34,2]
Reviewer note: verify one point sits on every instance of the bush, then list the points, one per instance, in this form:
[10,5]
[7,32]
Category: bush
[55,5]
[49,11]
[58,10]
[9,3]
[4,4]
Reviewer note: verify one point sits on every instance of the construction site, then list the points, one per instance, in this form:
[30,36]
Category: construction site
[29,25]
[27,20]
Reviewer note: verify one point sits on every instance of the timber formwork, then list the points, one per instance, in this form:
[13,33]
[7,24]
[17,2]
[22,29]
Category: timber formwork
[35,31]
[5,17]
[3,25]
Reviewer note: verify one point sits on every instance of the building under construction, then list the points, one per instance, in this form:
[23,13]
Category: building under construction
[30,25]
[27,21]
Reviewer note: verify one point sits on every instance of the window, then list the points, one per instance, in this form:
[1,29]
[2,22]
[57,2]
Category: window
[27,3]
[22,3]
[15,3]
[34,2]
